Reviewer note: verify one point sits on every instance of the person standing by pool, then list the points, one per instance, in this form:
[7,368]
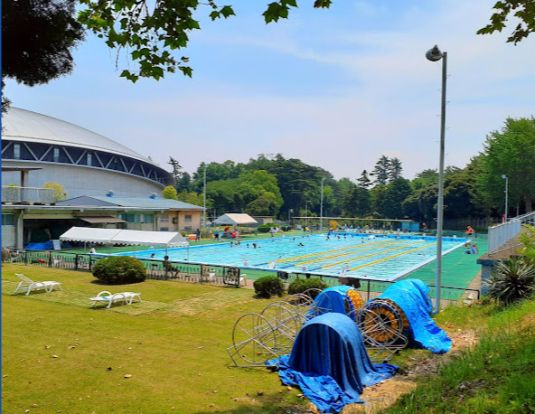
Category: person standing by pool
[197,234]
[469,231]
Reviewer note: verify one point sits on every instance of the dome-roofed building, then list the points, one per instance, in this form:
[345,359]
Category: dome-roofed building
[82,161]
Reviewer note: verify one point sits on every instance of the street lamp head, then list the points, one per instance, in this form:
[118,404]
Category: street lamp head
[504,176]
[434,54]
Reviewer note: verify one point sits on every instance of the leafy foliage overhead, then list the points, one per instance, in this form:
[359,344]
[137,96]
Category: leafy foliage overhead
[37,39]
[152,33]
[522,10]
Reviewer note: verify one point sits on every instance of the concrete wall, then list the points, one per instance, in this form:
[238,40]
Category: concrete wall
[80,180]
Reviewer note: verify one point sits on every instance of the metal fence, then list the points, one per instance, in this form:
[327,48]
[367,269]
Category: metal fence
[213,274]
[155,269]
[502,233]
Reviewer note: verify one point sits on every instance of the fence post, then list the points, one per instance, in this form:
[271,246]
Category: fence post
[76,261]
[368,297]
[25,257]
[90,262]
[49,259]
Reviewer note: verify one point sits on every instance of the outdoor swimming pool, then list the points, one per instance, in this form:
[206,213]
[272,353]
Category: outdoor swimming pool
[382,257]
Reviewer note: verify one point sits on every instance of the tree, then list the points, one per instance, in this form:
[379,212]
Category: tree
[59,191]
[184,183]
[394,169]
[425,178]
[176,170]
[192,197]
[169,192]
[363,181]
[37,39]
[395,193]
[381,170]
[522,10]
[360,202]
[510,152]
[153,32]
[342,197]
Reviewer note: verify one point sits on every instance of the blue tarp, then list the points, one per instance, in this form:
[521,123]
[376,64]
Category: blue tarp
[330,364]
[412,296]
[332,299]
[40,246]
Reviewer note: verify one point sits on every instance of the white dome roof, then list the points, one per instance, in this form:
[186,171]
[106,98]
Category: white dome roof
[22,125]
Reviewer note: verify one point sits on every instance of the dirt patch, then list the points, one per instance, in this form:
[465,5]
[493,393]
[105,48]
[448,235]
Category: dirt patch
[385,394]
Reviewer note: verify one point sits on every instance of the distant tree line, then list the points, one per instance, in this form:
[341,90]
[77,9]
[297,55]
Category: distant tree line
[274,185]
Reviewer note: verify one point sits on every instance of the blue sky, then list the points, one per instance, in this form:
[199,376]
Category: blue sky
[336,88]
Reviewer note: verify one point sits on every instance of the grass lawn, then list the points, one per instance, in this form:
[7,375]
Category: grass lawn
[61,356]
[496,377]
[173,345]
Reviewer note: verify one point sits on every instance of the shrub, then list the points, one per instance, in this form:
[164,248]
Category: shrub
[286,227]
[267,286]
[527,238]
[120,269]
[511,280]
[300,285]
[264,228]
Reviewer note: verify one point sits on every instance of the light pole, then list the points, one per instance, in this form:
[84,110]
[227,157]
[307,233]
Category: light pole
[434,55]
[204,199]
[321,205]
[506,178]
[290,212]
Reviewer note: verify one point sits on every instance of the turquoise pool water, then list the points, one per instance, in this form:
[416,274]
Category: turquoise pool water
[383,257]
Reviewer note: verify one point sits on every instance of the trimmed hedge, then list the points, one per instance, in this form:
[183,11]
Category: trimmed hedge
[300,285]
[264,228]
[119,269]
[267,286]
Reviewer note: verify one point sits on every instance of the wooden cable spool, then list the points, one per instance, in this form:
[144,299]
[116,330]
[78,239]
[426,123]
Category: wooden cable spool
[383,321]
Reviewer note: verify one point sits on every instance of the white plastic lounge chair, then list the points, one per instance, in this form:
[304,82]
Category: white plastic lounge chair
[243,280]
[28,285]
[124,298]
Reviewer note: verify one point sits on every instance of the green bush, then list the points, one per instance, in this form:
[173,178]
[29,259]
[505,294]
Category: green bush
[511,280]
[119,269]
[286,227]
[300,285]
[264,228]
[267,286]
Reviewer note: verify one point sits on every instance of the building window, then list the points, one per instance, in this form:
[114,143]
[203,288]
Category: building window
[8,219]
[187,218]
[188,228]
[164,228]
[55,155]
[147,218]
[89,159]
[16,151]
[164,218]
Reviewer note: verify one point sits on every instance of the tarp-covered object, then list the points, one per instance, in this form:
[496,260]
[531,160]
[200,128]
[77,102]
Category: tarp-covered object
[330,364]
[118,236]
[412,296]
[339,299]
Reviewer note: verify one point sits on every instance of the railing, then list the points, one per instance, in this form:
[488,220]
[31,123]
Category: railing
[502,233]
[155,269]
[31,195]
[217,275]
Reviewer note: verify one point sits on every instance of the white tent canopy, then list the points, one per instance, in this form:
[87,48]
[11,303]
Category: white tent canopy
[118,236]
[235,219]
